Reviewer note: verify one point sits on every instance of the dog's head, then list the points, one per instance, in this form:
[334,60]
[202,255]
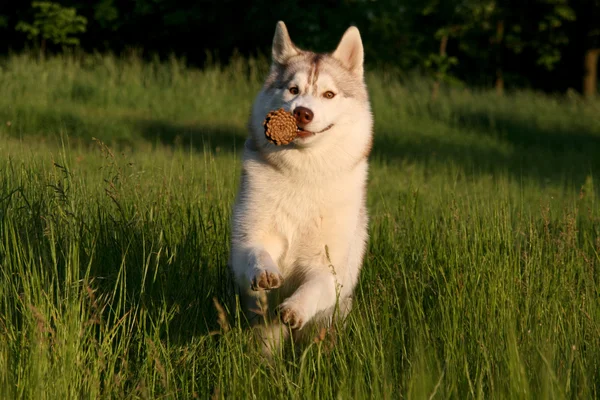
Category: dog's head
[326,92]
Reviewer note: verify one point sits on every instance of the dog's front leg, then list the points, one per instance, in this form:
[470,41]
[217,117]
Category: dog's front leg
[261,272]
[331,272]
[255,273]
[254,268]
[318,292]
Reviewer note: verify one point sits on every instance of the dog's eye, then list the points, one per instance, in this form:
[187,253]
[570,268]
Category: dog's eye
[329,94]
[294,90]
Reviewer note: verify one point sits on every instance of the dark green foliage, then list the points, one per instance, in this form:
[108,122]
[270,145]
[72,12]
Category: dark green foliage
[53,23]
[535,43]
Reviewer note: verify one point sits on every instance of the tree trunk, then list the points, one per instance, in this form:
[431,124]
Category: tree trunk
[436,85]
[499,84]
[590,74]
[42,50]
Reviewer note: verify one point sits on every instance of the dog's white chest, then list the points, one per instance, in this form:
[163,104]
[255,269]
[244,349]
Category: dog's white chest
[291,204]
[296,213]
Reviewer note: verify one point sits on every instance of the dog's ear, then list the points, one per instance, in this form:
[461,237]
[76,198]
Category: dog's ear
[283,48]
[350,51]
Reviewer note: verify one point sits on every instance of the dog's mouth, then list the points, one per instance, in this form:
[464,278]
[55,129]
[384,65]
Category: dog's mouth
[302,133]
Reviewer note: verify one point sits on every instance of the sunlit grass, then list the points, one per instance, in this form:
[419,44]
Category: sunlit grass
[481,279]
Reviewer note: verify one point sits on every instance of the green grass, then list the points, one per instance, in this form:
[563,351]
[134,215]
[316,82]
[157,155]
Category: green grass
[482,278]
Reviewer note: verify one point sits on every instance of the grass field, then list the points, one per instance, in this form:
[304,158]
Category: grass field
[482,278]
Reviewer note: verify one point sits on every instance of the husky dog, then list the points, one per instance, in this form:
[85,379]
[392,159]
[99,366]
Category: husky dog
[299,226]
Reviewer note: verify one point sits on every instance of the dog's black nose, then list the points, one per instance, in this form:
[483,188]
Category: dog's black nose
[303,116]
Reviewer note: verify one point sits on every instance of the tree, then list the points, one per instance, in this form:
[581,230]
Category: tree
[440,63]
[446,15]
[590,74]
[53,23]
[513,27]
[588,12]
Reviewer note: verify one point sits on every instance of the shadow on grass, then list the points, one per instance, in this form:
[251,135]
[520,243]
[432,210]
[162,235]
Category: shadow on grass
[197,136]
[170,279]
[578,135]
[543,153]
[563,149]
[507,146]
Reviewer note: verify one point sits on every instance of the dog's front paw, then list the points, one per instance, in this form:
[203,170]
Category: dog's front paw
[291,316]
[266,280]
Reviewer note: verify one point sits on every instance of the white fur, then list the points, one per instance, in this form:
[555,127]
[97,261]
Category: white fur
[296,200]
[350,51]
[283,48]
